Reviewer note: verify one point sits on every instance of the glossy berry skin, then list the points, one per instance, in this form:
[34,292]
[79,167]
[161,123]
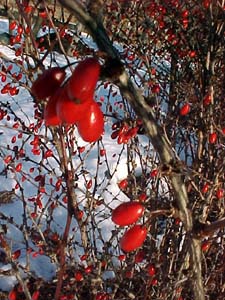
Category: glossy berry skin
[205,246]
[91,126]
[48,82]
[127,213]
[207,100]
[185,109]
[205,188]
[35,295]
[82,83]
[70,112]
[12,295]
[133,238]
[50,115]
[151,270]
[212,138]
[123,184]
[219,193]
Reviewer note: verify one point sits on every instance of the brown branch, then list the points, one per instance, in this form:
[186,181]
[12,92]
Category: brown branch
[71,207]
[203,230]
[153,130]
[68,221]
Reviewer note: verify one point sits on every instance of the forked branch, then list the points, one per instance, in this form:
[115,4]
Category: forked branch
[155,132]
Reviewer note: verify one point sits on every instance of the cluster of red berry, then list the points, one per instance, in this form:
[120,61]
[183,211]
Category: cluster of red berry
[72,102]
[127,214]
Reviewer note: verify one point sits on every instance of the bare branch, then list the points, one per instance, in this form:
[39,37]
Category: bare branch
[153,130]
[204,230]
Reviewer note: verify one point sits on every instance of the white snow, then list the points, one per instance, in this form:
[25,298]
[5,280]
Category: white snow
[109,174]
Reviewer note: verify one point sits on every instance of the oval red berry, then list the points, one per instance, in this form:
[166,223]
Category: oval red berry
[127,213]
[133,238]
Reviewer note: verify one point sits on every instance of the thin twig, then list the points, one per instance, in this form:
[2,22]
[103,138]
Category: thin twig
[153,130]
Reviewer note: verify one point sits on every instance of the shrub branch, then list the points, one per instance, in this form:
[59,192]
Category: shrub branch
[155,132]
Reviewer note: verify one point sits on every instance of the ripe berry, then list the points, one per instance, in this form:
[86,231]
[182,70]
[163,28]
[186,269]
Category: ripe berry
[16,254]
[205,246]
[154,282]
[139,257]
[153,173]
[123,184]
[185,109]
[127,213]
[48,153]
[122,257]
[12,25]
[219,193]
[207,100]
[205,188]
[212,137]
[78,276]
[151,270]
[156,89]
[8,159]
[18,167]
[133,238]
[102,152]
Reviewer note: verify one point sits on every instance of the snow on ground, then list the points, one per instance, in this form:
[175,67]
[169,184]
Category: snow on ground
[4,25]
[107,189]
[41,265]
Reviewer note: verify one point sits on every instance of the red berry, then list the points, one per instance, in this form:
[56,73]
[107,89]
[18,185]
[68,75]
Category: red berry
[192,54]
[48,153]
[82,83]
[89,184]
[88,269]
[219,193]
[8,159]
[12,295]
[70,112]
[153,173]
[18,167]
[83,257]
[142,197]
[205,188]
[156,89]
[20,29]
[12,25]
[133,238]
[48,82]
[114,134]
[206,3]
[35,295]
[154,282]
[205,246]
[13,140]
[102,152]
[185,109]
[58,184]
[28,9]
[185,13]
[16,254]
[207,100]
[50,115]
[151,270]
[127,213]
[139,257]
[123,184]
[212,137]
[122,257]
[91,126]
[78,276]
